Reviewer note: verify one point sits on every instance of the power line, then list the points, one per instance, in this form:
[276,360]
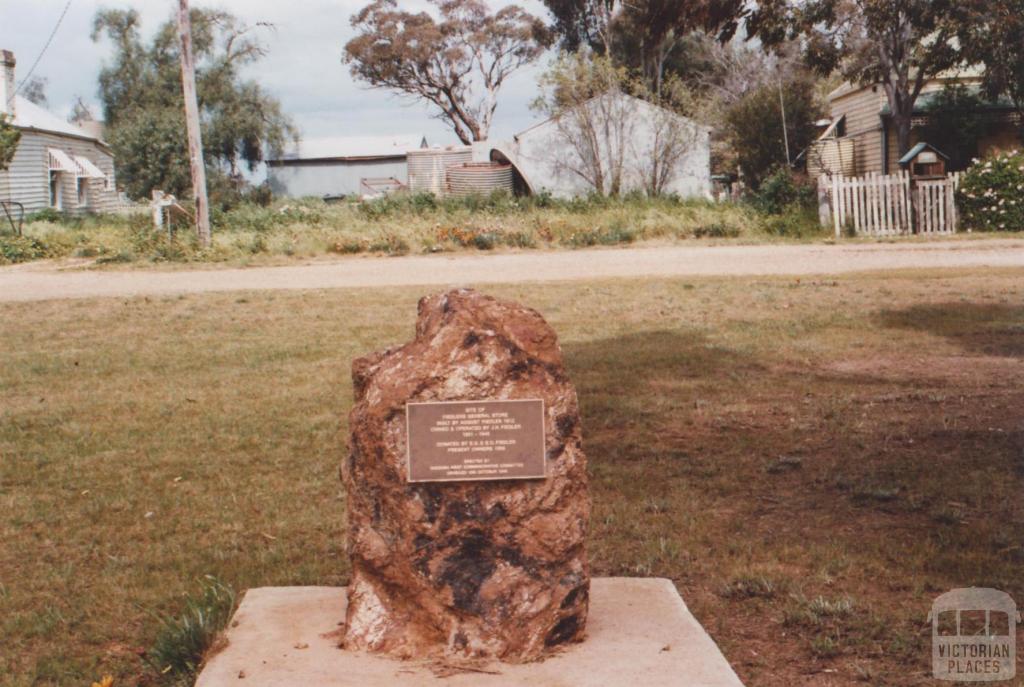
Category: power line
[42,52]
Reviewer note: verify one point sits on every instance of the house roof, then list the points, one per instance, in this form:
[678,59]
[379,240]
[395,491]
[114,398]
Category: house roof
[343,148]
[640,101]
[927,100]
[965,75]
[913,152]
[28,115]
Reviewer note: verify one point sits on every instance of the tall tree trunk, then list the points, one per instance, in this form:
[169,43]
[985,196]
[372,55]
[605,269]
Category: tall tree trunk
[902,123]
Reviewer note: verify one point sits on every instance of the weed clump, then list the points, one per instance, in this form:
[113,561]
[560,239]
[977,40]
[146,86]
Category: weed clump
[184,640]
[750,586]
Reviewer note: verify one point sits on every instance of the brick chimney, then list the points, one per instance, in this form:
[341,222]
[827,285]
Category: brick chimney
[7,83]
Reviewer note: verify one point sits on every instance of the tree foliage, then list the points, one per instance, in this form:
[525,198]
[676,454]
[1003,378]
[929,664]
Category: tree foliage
[457,62]
[754,125]
[34,90]
[143,105]
[9,138]
[901,44]
[956,122]
[992,36]
[81,112]
[589,101]
[641,35]
[724,77]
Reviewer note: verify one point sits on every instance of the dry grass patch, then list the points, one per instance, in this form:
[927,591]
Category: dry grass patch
[811,461]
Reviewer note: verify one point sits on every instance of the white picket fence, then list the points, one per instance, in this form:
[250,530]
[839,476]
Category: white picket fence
[892,204]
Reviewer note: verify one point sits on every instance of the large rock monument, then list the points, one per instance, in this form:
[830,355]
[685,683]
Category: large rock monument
[468,510]
[467,489]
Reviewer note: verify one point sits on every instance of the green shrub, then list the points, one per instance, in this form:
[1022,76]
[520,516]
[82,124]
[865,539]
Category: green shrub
[157,246]
[716,230]
[486,240]
[616,234]
[21,249]
[249,217]
[389,243]
[258,245]
[782,189]
[422,202]
[794,222]
[183,640]
[519,239]
[347,247]
[120,257]
[608,236]
[309,211]
[991,194]
[397,203]
[51,215]
[259,195]
[544,199]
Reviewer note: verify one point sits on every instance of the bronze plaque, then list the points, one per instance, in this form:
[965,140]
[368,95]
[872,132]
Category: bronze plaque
[455,441]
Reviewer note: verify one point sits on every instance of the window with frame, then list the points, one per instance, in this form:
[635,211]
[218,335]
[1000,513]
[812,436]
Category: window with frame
[55,190]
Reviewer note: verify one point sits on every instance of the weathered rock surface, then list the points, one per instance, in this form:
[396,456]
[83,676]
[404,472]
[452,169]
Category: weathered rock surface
[493,569]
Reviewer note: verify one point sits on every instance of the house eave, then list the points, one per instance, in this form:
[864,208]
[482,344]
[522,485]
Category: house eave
[63,134]
[286,162]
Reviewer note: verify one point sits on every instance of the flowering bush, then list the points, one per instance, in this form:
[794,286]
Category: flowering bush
[991,195]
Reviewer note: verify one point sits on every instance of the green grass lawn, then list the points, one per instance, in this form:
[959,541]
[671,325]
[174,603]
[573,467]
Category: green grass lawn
[811,461]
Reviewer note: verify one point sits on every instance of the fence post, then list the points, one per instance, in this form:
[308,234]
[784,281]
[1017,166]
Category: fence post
[824,205]
[837,204]
[157,208]
[951,205]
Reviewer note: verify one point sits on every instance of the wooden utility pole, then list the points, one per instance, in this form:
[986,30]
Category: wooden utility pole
[785,133]
[195,136]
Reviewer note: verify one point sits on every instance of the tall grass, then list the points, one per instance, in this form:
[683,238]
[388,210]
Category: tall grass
[398,224]
[184,640]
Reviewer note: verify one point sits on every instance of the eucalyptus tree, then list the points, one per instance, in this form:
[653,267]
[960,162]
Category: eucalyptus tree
[992,36]
[641,35]
[141,94]
[456,58]
[900,44]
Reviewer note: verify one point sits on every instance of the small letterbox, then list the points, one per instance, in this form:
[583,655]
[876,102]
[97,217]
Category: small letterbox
[925,161]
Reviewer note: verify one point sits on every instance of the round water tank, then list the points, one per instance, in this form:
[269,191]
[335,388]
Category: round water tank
[480,178]
[427,167]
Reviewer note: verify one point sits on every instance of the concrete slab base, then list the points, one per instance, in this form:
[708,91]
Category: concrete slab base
[639,634]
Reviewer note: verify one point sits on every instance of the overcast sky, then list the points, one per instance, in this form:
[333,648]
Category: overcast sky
[303,67]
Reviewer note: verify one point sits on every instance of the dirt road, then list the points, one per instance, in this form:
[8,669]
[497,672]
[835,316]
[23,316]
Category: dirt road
[47,281]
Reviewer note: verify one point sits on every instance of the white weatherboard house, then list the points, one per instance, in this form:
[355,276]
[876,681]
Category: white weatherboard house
[342,166]
[57,165]
[545,157]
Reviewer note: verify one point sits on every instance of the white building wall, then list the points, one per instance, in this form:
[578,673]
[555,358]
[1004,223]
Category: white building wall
[300,178]
[27,180]
[544,156]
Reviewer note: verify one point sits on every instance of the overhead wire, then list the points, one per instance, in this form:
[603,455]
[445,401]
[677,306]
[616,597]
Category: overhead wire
[42,52]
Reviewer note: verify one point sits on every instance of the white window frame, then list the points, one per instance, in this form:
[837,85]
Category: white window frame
[56,190]
[82,191]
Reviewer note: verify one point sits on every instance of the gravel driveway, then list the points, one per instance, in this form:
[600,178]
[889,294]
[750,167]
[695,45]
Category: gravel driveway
[40,281]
